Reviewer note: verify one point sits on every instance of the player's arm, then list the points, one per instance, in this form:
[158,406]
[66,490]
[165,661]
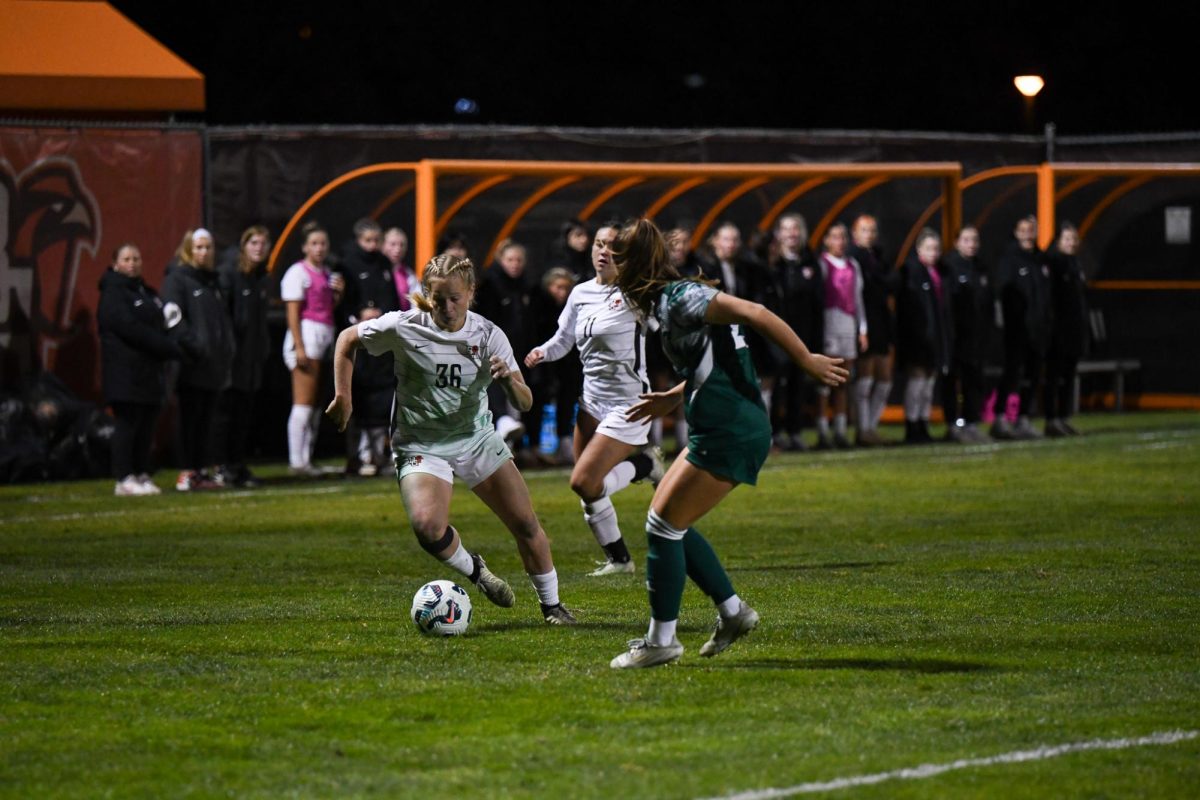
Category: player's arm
[725,309]
[512,382]
[340,408]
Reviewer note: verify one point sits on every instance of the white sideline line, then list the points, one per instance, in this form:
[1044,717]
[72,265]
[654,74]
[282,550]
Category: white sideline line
[930,770]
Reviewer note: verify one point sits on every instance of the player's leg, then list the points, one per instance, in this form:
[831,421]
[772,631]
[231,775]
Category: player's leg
[505,493]
[305,383]
[685,494]
[603,467]
[426,499]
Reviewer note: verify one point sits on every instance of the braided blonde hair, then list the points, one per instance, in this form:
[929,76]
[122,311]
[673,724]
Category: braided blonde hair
[444,266]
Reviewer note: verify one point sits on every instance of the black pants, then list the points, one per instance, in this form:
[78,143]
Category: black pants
[1022,371]
[237,408]
[133,436]
[965,378]
[1059,395]
[197,418]
[788,399]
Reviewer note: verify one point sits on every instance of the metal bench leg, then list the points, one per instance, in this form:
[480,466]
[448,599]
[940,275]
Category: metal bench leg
[1120,390]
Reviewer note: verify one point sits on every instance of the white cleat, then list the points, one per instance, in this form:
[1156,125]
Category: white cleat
[611,567]
[730,629]
[643,654]
[659,467]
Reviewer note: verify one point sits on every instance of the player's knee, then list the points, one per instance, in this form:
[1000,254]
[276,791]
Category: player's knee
[588,487]
[427,527]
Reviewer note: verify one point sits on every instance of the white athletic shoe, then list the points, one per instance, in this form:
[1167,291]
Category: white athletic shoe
[643,654]
[129,486]
[730,629]
[510,430]
[494,587]
[659,464]
[148,485]
[611,567]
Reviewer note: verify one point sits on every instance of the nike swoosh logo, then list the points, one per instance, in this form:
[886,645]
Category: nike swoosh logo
[500,452]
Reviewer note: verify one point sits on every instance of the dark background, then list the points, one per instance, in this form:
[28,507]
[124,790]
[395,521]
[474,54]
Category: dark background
[1109,66]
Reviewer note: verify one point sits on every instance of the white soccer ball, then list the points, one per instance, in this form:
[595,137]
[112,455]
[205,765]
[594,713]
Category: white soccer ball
[441,608]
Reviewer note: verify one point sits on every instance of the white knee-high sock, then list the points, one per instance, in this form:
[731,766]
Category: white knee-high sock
[546,586]
[862,403]
[879,396]
[460,560]
[618,478]
[927,398]
[914,390]
[299,435]
[601,517]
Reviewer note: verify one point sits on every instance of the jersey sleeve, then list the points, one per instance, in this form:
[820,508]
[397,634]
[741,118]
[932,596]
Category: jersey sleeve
[498,345]
[563,339]
[380,335]
[291,288]
[688,304]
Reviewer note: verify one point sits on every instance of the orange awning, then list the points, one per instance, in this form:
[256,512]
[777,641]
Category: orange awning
[57,55]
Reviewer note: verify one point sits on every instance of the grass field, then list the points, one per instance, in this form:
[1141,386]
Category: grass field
[919,605]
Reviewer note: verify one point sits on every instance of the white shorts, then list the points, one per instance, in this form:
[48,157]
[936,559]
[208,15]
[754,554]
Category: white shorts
[614,425]
[474,462]
[317,337]
[841,334]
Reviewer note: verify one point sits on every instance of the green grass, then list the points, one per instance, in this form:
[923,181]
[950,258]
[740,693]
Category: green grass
[919,606]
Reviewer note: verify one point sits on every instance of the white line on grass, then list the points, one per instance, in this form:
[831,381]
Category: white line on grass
[930,770]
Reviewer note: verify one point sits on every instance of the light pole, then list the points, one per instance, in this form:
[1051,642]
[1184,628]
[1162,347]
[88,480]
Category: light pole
[1029,86]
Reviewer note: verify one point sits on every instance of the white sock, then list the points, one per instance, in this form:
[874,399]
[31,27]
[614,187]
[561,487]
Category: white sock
[839,424]
[927,399]
[364,447]
[461,560]
[601,517]
[618,478]
[546,586]
[862,402]
[913,390]
[729,608]
[661,633]
[766,398]
[681,433]
[823,426]
[299,435]
[879,397]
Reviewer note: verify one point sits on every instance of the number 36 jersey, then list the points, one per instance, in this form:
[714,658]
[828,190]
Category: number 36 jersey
[441,376]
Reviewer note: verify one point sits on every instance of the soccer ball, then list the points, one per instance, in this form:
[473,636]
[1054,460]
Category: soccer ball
[441,608]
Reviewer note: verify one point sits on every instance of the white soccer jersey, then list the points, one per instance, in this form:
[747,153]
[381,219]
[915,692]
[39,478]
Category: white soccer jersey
[441,376]
[611,341]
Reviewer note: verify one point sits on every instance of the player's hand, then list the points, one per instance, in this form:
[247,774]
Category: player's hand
[826,370]
[336,282]
[500,370]
[302,360]
[339,411]
[534,358]
[863,341]
[653,404]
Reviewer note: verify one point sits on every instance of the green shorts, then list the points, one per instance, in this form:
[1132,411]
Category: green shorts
[737,457]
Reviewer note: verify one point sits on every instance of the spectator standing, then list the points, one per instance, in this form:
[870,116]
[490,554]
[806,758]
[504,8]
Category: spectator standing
[311,291]
[1022,284]
[923,326]
[244,287]
[560,381]
[845,329]
[802,306]
[1068,336]
[880,284]
[971,311]
[573,249]
[134,349]
[198,317]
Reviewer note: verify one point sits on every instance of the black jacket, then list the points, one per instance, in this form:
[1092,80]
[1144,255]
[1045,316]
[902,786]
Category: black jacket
[1068,303]
[1022,285]
[134,344]
[246,297]
[369,282]
[923,324]
[204,329]
[971,307]
[880,282]
[801,301]
[506,302]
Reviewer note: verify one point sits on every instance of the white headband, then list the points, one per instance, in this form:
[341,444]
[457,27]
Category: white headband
[196,234]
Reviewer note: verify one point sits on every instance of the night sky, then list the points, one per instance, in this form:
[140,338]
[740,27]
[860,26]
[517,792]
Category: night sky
[1109,67]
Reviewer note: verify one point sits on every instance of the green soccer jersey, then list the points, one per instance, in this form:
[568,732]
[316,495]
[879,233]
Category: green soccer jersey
[729,431]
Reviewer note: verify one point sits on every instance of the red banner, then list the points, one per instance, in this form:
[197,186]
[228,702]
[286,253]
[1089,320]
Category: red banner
[68,198]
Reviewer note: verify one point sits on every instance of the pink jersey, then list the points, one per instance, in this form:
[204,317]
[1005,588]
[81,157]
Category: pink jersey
[310,286]
[840,286]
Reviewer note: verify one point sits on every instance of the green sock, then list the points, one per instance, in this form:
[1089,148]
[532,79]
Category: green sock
[704,568]
[666,574]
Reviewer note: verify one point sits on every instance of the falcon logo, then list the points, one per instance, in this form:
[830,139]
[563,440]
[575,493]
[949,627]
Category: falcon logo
[47,218]
[413,461]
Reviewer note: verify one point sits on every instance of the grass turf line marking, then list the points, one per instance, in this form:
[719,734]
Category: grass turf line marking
[931,770]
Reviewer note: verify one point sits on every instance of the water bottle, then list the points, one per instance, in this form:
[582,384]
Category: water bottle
[548,441]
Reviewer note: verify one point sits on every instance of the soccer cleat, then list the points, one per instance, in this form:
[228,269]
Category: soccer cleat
[643,654]
[129,486]
[306,471]
[368,470]
[1002,429]
[658,466]
[558,614]
[841,442]
[1024,429]
[510,430]
[186,481]
[494,587]
[611,567]
[730,629]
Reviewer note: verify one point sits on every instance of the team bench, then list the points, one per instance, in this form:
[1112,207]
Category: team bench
[1117,367]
